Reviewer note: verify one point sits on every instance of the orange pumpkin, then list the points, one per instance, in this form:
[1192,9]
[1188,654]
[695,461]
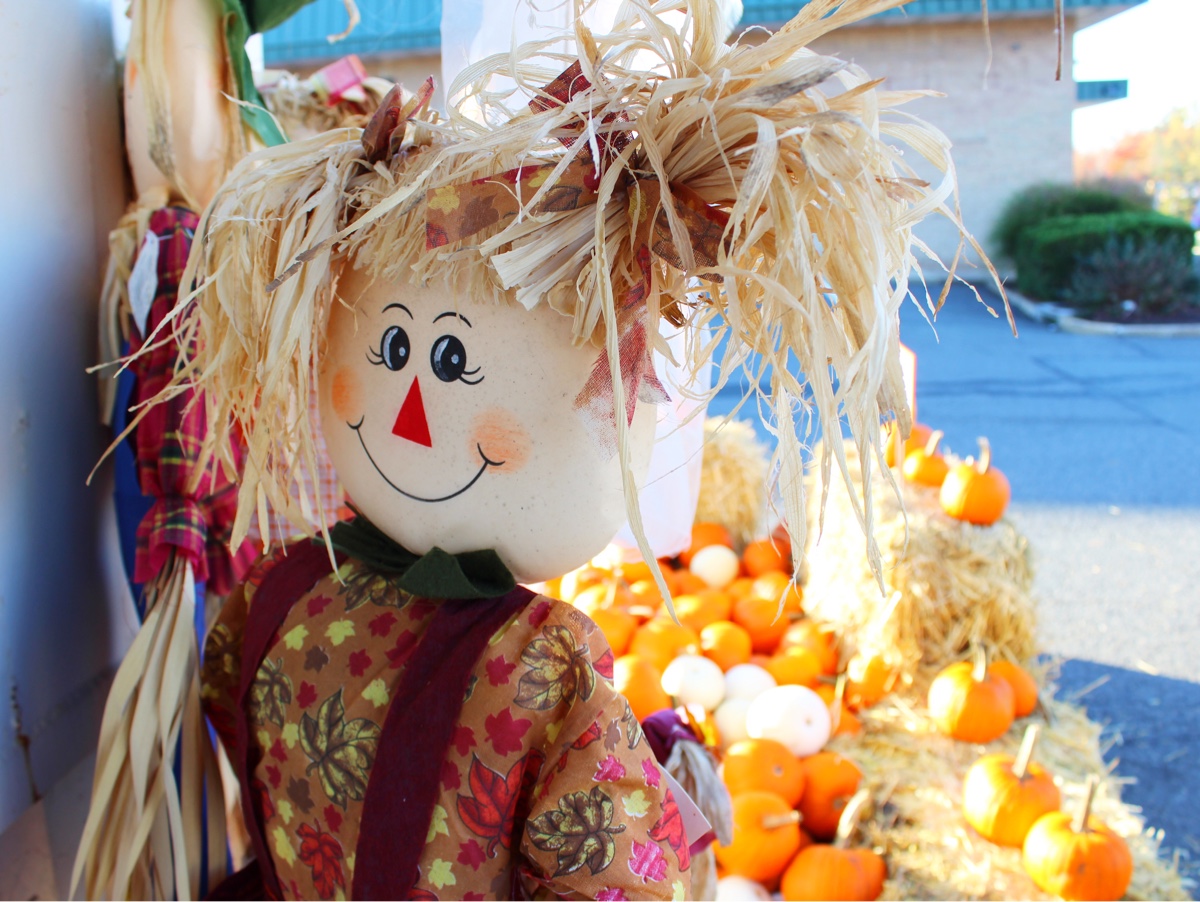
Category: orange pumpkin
[870,678]
[916,439]
[835,872]
[766,836]
[795,666]
[816,637]
[763,556]
[976,492]
[660,640]
[970,704]
[1024,687]
[640,682]
[763,764]
[703,535]
[699,610]
[762,620]
[827,872]
[617,626]
[725,644]
[830,780]
[1083,859]
[926,465]
[841,717]
[1003,796]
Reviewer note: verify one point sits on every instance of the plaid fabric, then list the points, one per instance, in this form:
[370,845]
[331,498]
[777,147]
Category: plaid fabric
[195,522]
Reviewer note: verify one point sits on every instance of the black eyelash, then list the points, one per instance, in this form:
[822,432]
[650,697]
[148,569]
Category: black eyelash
[471,373]
[374,357]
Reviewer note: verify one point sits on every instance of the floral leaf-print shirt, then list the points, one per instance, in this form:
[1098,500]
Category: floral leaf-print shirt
[548,789]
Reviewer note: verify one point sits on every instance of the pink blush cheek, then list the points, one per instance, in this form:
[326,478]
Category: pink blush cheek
[345,394]
[501,437]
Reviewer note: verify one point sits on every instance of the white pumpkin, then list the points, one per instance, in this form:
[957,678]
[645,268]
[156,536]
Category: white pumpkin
[694,680]
[741,889]
[730,718]
[717,565]
[747,681]
[792,715]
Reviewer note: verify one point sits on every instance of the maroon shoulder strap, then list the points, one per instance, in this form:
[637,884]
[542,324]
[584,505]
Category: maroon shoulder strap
[284,585]
[405,780]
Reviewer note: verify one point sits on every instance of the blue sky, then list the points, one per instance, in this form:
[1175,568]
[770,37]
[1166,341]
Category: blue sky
[1156,46]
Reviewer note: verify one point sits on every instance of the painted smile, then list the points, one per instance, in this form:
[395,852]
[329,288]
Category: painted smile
[357,427]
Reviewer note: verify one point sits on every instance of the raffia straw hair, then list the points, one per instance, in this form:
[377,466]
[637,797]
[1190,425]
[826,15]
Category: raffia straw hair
[792,150]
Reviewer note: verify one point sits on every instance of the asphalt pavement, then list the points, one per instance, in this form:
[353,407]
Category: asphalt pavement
[1098,436]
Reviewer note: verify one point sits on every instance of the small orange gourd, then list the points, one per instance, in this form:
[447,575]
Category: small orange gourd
[763,764]
[1024,686]
[976,492]
[926,465]
[969,703]
[1083,859]
[766,836]
[1003,796]
[835,872]
[819,638]
[841,718]
[916,439]
[870,678]
[830,781]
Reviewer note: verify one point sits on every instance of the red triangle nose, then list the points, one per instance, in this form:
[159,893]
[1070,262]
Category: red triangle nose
[411,422]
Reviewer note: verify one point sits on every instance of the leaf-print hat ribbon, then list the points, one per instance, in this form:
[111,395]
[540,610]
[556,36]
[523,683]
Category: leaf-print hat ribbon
[435,574]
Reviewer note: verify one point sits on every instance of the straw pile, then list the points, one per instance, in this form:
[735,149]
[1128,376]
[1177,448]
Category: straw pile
[733,479]
[916,776]
[946,583]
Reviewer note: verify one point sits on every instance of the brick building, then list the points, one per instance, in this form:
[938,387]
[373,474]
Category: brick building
[1010,123]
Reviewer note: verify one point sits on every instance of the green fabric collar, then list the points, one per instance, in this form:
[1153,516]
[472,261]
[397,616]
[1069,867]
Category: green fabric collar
[435,574]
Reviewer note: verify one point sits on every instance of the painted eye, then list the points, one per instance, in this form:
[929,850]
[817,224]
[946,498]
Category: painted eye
[394,348]
[448,358]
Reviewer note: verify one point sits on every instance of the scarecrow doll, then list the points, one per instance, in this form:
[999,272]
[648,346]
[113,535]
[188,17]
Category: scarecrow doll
[473,301]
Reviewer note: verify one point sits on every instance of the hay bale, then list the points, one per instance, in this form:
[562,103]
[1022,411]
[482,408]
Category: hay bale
[916,776]
[733,479]
[946,583]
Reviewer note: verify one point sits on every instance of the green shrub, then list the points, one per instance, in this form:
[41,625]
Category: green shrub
[1037,203]
[1154,277]
[1048,253]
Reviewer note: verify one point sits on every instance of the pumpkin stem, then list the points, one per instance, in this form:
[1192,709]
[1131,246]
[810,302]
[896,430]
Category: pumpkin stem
[934,439]
[775,821]
[1081,822]
[1025,753]
[985,455]
[980,656]
[850,817]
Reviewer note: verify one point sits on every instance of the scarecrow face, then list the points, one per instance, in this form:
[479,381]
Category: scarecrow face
[451,423]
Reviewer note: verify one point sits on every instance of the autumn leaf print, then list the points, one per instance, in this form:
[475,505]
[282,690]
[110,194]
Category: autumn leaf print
[604,666]
[558,671]
[648,861]
[361,585]
[580,832]
[323,854]
[298,791]
[610,770]
[341,752]
[270,693]
[670,829]
[490,811]
[223,648]
[505,734]
[651,773]
[588,736]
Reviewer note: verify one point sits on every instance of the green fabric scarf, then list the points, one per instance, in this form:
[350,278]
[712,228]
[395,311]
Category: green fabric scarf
[436,574]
